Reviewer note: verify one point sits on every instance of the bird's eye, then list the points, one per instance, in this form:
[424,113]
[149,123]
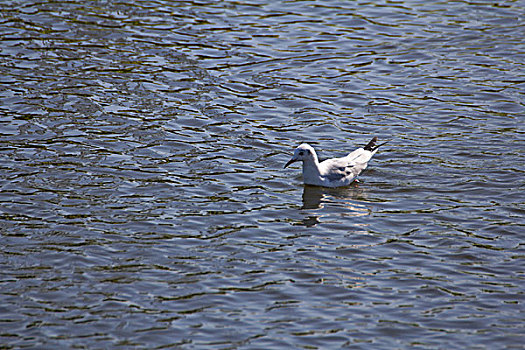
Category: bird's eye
[301,153]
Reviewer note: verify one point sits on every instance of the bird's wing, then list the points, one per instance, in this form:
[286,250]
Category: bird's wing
[339,168]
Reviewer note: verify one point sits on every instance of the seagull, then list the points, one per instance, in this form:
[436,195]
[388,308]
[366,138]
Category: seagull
[334,172]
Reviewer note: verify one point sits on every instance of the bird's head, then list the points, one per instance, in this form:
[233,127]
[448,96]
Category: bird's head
[303,152]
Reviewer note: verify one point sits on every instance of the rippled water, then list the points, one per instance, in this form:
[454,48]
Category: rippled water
[143,202]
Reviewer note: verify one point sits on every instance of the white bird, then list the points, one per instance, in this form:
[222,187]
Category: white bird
[334,172]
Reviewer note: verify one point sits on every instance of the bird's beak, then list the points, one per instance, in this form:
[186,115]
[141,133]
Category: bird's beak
[290,162]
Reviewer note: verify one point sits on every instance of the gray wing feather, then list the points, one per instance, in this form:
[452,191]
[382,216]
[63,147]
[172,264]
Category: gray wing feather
[341,168]
[336,175]
[351,165]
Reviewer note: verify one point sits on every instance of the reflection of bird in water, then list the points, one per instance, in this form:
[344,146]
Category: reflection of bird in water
[312,196]
[315,197]
[334,172]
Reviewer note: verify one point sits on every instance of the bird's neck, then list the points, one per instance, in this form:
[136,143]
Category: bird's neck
[311,167]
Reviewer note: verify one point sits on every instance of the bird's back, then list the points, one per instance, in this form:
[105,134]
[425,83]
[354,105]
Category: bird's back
[360,155]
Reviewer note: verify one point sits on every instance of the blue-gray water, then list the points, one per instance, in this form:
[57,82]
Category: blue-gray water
[143,202]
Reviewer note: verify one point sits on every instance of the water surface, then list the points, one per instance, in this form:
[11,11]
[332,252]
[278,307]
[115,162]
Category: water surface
[143,202]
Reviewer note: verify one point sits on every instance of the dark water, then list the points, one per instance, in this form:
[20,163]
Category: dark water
[143,202]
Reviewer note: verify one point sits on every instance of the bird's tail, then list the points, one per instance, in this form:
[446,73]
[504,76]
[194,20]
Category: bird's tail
[371,146]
